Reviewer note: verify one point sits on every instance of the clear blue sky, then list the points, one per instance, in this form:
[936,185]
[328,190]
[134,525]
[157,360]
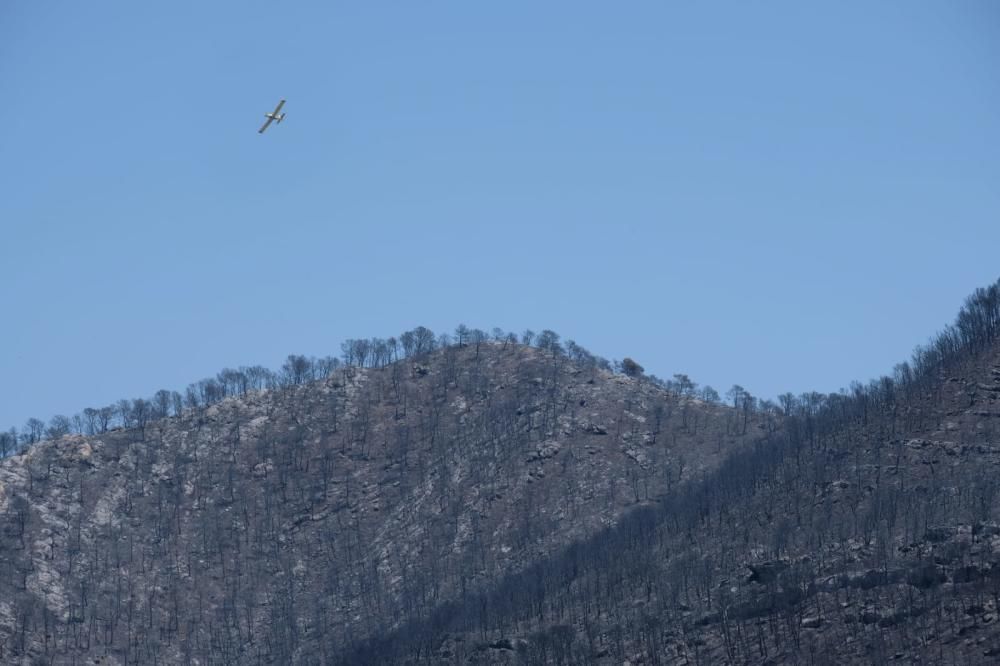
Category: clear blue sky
[760,193]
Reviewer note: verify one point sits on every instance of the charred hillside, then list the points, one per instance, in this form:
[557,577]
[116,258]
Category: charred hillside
[865,530]
[497,503]
[287,524]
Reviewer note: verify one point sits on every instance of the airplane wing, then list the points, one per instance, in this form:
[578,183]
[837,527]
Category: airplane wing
[278,108]
[264,126]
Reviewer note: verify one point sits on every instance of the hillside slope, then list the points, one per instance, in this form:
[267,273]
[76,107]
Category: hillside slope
[865,530]
[284,525]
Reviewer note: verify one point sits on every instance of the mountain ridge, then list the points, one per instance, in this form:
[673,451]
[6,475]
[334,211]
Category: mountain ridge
[500,503]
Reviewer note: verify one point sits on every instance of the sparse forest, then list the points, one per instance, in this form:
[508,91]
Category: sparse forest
[512,499]
[298,370]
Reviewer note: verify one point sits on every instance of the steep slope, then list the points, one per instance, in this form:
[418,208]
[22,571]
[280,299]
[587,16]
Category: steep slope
[865,530]
[286,525]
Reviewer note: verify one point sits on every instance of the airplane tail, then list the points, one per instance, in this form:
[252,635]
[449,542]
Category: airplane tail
[281,117]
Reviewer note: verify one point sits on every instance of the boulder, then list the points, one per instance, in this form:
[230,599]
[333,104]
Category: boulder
[766,572]
[811,622]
